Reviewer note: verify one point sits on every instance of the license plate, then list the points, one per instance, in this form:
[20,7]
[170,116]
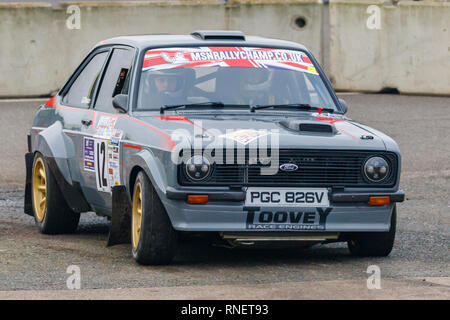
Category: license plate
[287,197]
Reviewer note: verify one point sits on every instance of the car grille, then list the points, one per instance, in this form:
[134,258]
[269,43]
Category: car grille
[324,168]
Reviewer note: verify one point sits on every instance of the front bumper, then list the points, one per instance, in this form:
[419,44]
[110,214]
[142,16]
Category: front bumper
[348,212]
[239,195]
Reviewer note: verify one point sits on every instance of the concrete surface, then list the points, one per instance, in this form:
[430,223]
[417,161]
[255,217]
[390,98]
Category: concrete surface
[410,51]
[421,126]
[55,51]
[16,118]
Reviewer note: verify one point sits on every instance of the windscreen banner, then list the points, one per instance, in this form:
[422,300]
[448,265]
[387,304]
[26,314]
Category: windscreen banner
[247,57]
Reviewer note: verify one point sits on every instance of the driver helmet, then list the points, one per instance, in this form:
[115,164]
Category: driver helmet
[169,84]
[255,84]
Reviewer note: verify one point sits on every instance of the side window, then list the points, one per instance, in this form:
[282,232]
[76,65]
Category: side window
[116,79]
[82,89]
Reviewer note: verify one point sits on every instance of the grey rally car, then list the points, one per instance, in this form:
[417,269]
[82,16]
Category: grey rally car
[216,133]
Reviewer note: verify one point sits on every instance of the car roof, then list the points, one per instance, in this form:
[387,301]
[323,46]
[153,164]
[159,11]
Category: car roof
[199,38]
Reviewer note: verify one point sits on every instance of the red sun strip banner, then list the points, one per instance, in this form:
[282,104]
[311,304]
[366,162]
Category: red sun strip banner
[249,57]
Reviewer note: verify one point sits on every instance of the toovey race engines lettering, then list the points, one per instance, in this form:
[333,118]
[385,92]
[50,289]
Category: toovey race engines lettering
[287,219]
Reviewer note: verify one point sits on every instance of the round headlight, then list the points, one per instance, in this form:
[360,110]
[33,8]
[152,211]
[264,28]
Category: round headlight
[198,168]
[376,169]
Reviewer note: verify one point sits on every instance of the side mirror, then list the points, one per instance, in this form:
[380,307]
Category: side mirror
[344,106]
[120,102]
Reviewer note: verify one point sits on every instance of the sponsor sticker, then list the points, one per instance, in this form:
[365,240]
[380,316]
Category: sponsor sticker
[88,154]
[105,127]
[116,136]
[249,57]
[114,159]
[287,219]
[85,100]
[328,117]
[245,136]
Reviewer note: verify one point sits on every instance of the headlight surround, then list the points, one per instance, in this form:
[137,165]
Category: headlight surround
[376,169]
[197,168]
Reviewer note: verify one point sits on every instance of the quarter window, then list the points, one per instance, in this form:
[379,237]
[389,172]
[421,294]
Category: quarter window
[82,89]
[116,79]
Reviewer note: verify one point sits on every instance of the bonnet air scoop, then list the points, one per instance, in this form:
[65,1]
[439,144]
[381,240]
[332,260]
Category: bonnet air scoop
[305,126]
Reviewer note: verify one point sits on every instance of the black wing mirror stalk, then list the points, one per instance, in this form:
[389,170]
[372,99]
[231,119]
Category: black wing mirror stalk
[120,102]
[344,106]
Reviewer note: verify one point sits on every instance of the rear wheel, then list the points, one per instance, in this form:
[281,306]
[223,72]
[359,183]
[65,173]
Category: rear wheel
[153,239]
[51,212]
[374,244]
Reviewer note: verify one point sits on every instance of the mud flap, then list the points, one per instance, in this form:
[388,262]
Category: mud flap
[120,229]
[27,206]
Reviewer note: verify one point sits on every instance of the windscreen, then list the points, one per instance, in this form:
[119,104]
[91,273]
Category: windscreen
[239,76]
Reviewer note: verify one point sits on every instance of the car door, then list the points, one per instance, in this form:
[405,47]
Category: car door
[75,109]
[102,143]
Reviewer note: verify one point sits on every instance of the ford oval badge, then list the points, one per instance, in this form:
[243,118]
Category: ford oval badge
[288,167]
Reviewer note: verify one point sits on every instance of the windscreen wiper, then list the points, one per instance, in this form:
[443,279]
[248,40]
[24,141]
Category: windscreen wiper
[177,106]
[298,106]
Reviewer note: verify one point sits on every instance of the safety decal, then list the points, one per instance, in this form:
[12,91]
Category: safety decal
[249,57]
[245,136]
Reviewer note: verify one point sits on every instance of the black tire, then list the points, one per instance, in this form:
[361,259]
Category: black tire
[158,241]
[374,244]
[58,217]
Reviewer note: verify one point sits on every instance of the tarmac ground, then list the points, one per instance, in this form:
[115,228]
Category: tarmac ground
[34,266]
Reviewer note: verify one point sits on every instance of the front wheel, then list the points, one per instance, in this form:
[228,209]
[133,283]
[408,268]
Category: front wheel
[374,244]
[153,239]
[51,212]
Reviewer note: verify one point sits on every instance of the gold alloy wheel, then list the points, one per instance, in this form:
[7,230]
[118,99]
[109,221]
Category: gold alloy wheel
[39,189]
[137,215]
